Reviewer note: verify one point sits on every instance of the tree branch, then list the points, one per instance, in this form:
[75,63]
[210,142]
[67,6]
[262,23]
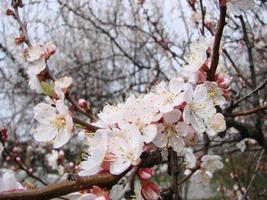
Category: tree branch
[216,45]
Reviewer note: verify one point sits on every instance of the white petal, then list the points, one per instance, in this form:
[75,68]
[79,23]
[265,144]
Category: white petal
[62,108]
[44,133]
[172,117]
[119,166]
[62,138]
[149,133]
[160,140]
[176,85]
[44,112]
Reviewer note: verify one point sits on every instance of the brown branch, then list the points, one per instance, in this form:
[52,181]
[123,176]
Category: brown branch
[80,183]
[174,171]
[203,13]
[250,111]
[216,45]
[23,26]
[60,189]
[78,108]
[250,94]
[89,127]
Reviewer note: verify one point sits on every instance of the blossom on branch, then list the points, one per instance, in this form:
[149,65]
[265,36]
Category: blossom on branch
[55,123]
[9,183]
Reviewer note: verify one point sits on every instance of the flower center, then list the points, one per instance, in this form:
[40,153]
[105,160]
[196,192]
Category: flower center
[169,130]
[59,122]
[212,93]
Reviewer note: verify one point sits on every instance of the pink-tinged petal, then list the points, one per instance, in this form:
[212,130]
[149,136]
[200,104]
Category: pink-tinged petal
[188,94]
[187,114]
[58,90]
[119,166]
[69,122]
[62,138]
[161,140]
[176,143]
[8,182]
[182,129]
[44,133]
[197,123]
[62,108]
[149,133]
[200,93]
[166,108]
[172,117]
[150,190]
[90,172]
[176,85]
[36,67]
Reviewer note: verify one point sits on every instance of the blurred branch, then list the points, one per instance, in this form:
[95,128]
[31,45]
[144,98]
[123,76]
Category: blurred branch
[250,111]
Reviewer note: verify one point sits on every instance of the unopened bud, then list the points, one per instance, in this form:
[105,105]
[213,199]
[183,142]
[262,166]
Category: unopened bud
[19,40]
[9,12]
[83,104]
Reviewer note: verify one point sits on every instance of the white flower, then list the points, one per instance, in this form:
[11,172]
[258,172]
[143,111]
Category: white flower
[61,85]
[202,176]
[242,145]
[215,93]
[199,107]
[110,116]
[190,158]
[35,59]
[215,124]
[126,146]
[34,83]
[196,58]
[237,6]
[141,112]
[170,95]
[171,133]
[52,159]
[211,163]
[8,182]
[55,123]
[97,148]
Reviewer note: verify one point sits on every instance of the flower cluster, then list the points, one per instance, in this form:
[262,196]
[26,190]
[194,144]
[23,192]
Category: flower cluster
[172,115]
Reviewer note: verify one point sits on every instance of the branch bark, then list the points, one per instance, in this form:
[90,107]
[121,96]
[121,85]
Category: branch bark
[216,45]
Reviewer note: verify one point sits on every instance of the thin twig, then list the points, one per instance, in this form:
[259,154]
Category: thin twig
[254,174]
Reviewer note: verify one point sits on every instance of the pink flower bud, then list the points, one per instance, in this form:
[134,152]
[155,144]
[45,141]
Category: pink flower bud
[15,150]
[83,104]
[223,80]
[30,170]
[146,173]
[71,165]
[150,190]
[18,159]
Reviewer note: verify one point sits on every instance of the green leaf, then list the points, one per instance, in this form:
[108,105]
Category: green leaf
[48,88]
